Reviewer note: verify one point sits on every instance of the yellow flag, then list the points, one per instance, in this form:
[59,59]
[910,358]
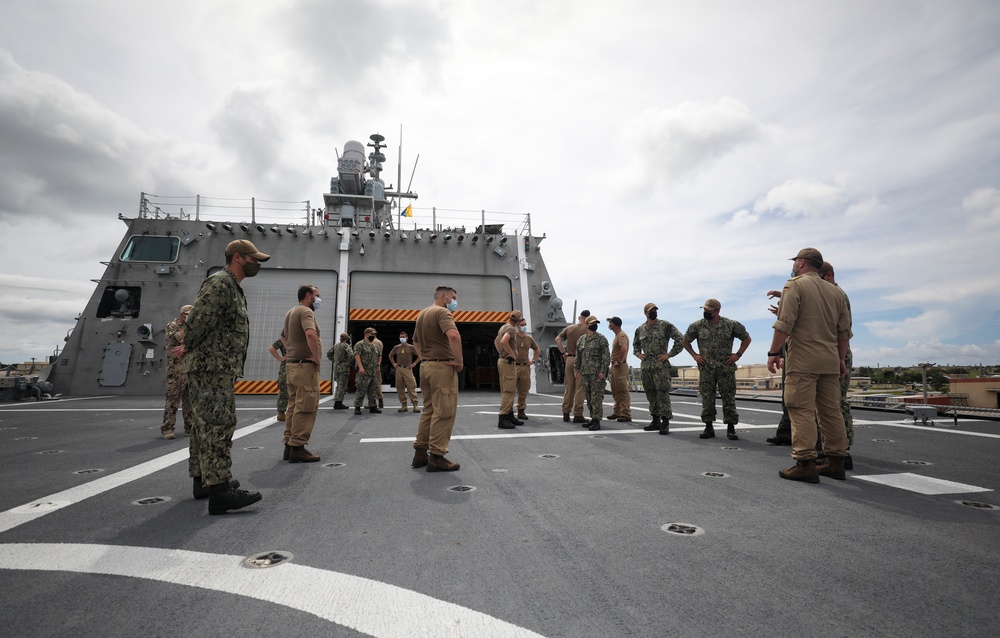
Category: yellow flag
[409,211]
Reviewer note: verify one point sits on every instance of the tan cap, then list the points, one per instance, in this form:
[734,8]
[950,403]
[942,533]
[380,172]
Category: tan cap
[245,247]
[371,331]
[712,304]
[648,307]
[811,255]
[615,320]
[186,309]
[516,315]
[591,320]
[344,336]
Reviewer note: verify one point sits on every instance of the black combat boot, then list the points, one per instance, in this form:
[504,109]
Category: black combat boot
[199,491]
[709,432]
[224,497]
[375,410]
[513,419]
[595,424]
[503,423]
[339,405]
[731,433]
[357,410]
[654,426]
[566,417]
[665,426]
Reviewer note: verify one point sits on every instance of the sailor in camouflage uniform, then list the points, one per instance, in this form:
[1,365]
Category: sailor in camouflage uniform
[649,345]
[343,358]
[214,352]
[277,351]
[826,274]
[366,356]
[593,360]
[717,365]
[177,390]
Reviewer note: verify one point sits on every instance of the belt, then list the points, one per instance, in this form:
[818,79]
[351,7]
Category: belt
[570,355]
[301,361]
[437,359]
[520,364]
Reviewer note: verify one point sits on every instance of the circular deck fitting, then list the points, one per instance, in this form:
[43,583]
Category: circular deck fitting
[355,432]
[598,436]
[715,474]
[334,464]
[50,452]
[682,529]
[152,500]
[729,447]
[883,440]
[862,427]
[26,438]
[90,471]
[272,558]
[912,462]
[461,488]
[978,505]
[548,456]
[254,447]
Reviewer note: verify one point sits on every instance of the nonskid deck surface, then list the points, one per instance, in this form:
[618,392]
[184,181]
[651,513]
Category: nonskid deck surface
[549,529]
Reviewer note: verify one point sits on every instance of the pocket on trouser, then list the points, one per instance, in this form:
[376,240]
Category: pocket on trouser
[307,400]
[794,391]
[446,403]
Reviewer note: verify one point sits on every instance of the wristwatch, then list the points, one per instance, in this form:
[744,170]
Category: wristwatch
[774,354]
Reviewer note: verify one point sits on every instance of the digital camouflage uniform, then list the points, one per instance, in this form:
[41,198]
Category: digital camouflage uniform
[845,382]
[593,358]
[652,341]
[343,359]
[366,382]
[715,343]
[282,380]
[177,385]
[216,337]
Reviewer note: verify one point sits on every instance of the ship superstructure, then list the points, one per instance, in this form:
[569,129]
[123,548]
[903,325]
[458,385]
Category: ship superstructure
[375,260]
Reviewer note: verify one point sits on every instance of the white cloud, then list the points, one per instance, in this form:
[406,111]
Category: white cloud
[984,204]
[799,197]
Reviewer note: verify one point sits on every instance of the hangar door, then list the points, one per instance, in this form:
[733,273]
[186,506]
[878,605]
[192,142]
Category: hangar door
[415,291]
[269,296]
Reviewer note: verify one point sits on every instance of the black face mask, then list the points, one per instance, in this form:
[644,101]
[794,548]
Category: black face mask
[652,315]
[370,337]
[592,327]
[708,315]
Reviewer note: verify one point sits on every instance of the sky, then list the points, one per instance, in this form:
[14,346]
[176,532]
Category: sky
[671,152]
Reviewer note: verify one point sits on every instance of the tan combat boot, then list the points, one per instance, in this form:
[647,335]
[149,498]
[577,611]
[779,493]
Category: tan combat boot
[419,457]
[834,468]
[281,416]
[804,470]
[301,455]
[437,463]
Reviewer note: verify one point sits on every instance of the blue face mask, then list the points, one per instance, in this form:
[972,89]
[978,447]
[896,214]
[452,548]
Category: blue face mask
[317,302]
[452,305]
[523,328]
[402,339]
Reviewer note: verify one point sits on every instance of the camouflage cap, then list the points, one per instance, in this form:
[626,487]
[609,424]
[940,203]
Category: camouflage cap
[825,269]
[245,247]
[186,309]
[811,255]
[591,320]
[615,320]
[712,304]
[344,336]
[648,307]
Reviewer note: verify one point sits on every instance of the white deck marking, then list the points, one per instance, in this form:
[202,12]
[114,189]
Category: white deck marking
[921,484]
[581,431]
[368,606]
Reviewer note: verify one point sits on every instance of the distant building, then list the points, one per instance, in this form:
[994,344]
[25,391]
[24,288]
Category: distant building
[983,392]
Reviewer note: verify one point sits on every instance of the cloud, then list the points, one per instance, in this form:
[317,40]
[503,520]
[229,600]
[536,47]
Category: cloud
[984,204]
[932,351]
[675,142]
[742,219]
[798,197]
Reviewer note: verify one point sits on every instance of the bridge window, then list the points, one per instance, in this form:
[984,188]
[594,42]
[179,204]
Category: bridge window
[151,248]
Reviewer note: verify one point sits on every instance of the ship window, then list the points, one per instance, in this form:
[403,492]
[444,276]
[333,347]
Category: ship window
[120,301]
[151,248]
